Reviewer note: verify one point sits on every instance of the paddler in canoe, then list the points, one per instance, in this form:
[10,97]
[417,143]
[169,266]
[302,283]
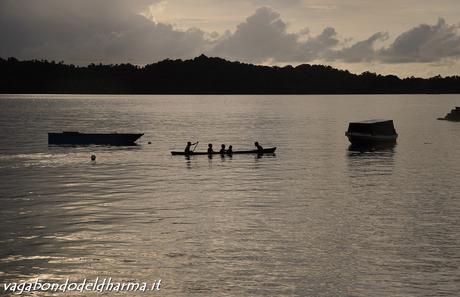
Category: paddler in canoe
[259,150]
[187,150]
[222,149]
[259,147]
[210,150]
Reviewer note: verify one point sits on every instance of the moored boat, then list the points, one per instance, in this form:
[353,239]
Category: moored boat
[372,131]
[264,151]
[77,138]
[453,115]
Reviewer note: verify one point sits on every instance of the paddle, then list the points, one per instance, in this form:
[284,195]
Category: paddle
[195,146]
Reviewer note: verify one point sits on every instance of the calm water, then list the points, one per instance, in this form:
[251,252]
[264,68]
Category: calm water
[313,220]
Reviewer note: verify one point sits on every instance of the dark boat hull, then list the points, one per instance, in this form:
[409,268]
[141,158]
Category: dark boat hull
[365,139]
[452,116]
[76,138]
[371,132]
[264,151]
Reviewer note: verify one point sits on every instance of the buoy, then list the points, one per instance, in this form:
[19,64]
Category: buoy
[93,157]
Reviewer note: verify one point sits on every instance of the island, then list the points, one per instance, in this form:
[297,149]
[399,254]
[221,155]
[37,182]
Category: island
[206,75]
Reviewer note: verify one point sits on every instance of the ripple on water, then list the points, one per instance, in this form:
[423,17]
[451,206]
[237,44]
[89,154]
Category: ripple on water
[316,219]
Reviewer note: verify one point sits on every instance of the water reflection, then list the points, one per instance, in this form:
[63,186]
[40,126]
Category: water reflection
[314,220]
[372,147]
[371,160]
[188,162]
[192,161]
[265,155]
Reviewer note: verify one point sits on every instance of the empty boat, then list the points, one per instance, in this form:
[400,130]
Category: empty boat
[371,131]
[77,138]
[453,115]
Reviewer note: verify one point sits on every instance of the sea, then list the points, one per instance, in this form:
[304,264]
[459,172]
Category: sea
[317,218]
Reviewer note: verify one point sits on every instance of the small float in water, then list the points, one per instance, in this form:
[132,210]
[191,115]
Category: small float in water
[77,138]
[453,115]
[371,132]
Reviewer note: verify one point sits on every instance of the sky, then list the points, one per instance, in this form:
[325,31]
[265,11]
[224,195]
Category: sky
[406,37]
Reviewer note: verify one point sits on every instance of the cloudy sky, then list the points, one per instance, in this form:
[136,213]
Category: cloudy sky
[405,37]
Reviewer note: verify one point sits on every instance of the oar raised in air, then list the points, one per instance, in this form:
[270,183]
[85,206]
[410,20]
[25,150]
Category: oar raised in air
[196,144]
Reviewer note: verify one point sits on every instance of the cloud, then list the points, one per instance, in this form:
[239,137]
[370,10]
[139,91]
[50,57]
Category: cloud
[264,36]
[421,44]
[80,31]
[116,31]
[261,37]
[315,47]
[424,43]
[362,51]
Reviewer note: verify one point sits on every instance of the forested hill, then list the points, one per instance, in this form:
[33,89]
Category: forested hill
[204,75]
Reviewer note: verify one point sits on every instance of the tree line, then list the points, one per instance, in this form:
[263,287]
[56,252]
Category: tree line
[206,75]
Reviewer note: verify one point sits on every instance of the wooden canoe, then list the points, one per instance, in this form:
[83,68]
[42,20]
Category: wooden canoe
[270,150]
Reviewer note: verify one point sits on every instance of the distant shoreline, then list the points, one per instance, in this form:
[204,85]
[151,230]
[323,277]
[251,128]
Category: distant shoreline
[207,76]
[223,94]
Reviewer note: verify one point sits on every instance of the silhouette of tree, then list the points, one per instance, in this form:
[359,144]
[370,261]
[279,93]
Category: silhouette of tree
[206,75]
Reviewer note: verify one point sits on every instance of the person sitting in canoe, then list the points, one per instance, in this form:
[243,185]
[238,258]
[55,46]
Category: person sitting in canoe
[210,150]
[230,150]
[259,147]
[187,147]
[222,149]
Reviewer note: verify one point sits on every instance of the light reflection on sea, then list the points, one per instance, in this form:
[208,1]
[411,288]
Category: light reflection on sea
[315,219]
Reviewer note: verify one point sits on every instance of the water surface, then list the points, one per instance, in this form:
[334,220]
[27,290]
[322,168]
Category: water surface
[313,220]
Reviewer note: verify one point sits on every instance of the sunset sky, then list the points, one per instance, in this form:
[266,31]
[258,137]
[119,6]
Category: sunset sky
[407,37]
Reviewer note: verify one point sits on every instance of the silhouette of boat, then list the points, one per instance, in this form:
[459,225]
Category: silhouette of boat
[453,115]
[77,138]
[264,151]
[372,131]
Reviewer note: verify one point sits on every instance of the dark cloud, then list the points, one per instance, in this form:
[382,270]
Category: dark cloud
[315,47]
[362,51]
[264,36]
[424,43]
[80,31]
[421,44]
[114,31]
